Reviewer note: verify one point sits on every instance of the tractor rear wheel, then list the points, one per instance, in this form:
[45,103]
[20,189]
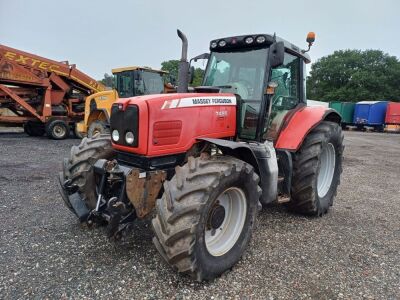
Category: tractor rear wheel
[205,217]
[98,127]
[79,170]
[317,166]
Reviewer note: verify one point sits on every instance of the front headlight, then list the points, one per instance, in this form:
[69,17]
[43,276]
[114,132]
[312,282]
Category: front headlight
[115,135]
[129,137]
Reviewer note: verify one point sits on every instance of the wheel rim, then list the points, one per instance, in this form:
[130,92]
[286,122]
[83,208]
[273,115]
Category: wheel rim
[326,170]
[59,131]
[222,234]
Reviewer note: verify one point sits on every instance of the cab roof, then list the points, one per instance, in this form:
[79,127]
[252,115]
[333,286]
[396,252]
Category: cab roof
[238,42]
[134,68]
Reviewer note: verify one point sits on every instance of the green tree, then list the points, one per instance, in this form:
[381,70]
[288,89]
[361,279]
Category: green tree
[108,80]
[172,66]
[198,77]
[355,75]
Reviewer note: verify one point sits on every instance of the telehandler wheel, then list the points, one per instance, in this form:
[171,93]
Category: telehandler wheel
[205,217]
[57,129]
[317,166]
[78,168]
[34,128]
[98,127]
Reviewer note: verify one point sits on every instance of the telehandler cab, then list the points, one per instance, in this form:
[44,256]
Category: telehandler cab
[207,160]
[128,82]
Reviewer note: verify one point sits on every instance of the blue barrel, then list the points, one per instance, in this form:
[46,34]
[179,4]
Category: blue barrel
[370,113]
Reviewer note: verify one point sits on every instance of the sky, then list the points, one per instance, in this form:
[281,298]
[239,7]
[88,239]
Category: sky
[104,34]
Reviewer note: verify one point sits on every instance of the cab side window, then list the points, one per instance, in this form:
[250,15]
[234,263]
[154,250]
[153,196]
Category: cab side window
[287,94]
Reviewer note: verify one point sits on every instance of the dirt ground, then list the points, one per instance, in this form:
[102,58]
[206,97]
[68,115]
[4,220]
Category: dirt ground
[351,253]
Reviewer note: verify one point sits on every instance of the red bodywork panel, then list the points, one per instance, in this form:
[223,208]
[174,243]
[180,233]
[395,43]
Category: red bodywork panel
[393,113]
[298,125]
[172,123]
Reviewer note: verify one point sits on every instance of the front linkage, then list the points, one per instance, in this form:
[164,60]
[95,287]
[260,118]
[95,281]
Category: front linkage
[123,194]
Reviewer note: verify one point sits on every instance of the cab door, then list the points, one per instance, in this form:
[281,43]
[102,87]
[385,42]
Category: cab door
[289,93]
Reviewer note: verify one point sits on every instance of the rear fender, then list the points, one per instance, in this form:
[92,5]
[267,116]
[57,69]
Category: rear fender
[299,124]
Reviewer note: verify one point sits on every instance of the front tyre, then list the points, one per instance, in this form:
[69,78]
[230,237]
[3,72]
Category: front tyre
[205,217]
[78,168]
[317,166]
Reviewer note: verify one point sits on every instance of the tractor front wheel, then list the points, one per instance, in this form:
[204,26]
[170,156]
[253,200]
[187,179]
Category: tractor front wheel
[78,168]
[317,166]
[205,217]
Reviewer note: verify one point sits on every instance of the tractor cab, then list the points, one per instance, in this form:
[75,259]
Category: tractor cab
[137,81]
[267,74]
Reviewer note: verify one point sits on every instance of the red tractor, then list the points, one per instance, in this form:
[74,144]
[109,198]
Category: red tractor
[207,160]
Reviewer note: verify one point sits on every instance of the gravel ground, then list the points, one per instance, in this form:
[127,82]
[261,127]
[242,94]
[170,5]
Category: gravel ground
[352,252]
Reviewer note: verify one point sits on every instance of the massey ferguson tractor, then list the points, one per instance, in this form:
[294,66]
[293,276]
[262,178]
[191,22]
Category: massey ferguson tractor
[202,163]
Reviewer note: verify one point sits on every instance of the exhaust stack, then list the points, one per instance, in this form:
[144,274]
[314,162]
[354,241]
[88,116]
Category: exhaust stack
[183,72]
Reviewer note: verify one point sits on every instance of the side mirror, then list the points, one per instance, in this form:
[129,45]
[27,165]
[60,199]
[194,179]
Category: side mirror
[201,56]
[191,74]
[276,54]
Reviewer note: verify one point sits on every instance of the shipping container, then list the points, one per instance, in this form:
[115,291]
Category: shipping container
[345,109]
[370,113]
[393,113]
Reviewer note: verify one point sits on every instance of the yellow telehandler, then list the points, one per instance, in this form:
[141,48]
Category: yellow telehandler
[128,82]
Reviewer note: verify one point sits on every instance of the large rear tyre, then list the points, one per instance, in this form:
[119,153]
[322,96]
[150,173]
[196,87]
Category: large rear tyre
[205,217]
[317,166]
[79,167]
[98,127]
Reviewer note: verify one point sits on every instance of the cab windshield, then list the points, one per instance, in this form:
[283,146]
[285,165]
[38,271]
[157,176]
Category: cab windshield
[138,82]
[124,84]
[241,73]
[147,83]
